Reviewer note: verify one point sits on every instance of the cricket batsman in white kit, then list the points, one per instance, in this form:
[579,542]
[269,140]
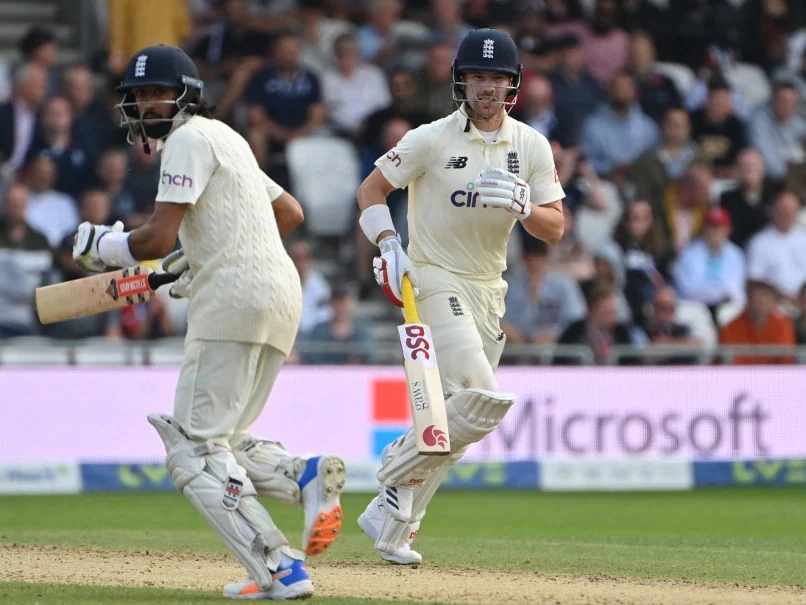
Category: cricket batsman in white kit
[470,176]
[244,312]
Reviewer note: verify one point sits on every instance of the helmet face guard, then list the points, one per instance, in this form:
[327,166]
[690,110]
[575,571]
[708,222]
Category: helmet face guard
[464,93]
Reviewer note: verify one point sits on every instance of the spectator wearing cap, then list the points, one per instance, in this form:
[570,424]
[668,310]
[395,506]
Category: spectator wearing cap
[777,254]
[759,324]
[717,130]
[656,91]
[51,212]
[777,131]
[25,260]
[285,102]
[800,324]
[354,90]
[342,329]
[619,132]
[20,128]
[542,302]
[711,269]
[685,205]
[749,204]
[658,168]
[577,94]
[607,48]
[38,46]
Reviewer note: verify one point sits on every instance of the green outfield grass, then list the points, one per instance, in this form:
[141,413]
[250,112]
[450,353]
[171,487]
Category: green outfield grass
[740,536]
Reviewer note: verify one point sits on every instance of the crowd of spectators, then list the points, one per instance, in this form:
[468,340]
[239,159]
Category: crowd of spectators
[680,125]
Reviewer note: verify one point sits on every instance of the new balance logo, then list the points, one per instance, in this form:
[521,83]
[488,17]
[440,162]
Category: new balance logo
[513,163]
[456,308]
[487,49]
[457,162]
[140,66]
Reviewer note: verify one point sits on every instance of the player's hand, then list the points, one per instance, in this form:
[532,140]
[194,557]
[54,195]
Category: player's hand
[85,245]
[176,264]
[390,267]
[501,189]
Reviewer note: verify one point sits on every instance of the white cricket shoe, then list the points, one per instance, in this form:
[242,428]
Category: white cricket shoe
[320,484]
[371,523]
[290,581]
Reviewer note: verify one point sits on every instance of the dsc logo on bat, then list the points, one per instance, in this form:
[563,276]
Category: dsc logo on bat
[415,339]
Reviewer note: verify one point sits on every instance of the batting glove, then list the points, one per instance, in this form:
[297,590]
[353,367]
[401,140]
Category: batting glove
[390,267]
[176,264]
[501,189]
[85,245]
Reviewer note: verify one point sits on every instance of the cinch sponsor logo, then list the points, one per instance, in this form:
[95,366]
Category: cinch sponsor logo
[180,180]
[465,198]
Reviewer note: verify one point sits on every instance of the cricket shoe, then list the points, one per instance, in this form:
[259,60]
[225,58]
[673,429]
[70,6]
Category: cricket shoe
[320,484]
[290,581]
[371,523]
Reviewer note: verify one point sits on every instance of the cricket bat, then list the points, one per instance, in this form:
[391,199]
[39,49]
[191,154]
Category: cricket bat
[98,293]
[422,378]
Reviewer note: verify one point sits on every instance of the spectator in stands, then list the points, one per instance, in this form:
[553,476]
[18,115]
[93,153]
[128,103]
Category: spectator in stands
[342,329]
[285,102]
[74,163]
[25,260]
[38,47]
[711,269]
[619,132]
[608,47]
[142,181]
[378,38]
[403,105]
[656,92]
[800,324]
[20,129]
[717,130]
[600,329]
[765,27]
[354,90]
[53,213]
[582,186]
[434,82]
[695,27]
[111,171]
[95,127]
[685,204]
[564,17]
[135,24]
[749,204]
[570,256]
[537,109]
[448,26]
[95,207]
[641,16]
[777,254]
[608,262]
[230,54]
[662,329]
[576,93]
[319,35]
[315,289]
[547,301]
[777,131]
[759,324]
[658,168]
[532,40]
[639,251]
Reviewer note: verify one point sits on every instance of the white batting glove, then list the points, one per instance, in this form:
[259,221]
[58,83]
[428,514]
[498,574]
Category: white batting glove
[85,245]
[390,267]
[501,189]
[176,264]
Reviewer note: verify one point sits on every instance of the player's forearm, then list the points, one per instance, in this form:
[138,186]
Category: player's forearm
[546,222]
[373,192]
[148,243]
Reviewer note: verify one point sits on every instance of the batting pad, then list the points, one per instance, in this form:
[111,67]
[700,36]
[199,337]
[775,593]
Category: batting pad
[208,474]
[472,414]
[267,463]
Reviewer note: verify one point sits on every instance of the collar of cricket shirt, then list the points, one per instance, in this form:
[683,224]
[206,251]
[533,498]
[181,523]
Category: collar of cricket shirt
[473,134]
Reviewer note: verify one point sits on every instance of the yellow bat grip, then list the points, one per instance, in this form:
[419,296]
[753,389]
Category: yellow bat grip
[409,308]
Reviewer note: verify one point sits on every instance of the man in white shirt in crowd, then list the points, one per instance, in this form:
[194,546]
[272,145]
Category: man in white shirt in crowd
[244,313]
[315,289]
[51,212]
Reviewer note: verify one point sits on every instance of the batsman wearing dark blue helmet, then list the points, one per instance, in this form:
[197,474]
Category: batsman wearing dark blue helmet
[470,176]
[245,306]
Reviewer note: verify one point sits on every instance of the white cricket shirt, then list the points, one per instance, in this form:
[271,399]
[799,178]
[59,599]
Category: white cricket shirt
[245,287]
[448,226]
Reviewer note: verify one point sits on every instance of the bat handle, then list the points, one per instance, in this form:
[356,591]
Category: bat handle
[409,307]
[155,280]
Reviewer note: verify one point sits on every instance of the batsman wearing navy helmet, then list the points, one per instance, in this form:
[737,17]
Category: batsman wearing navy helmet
[471,176]
[245,306]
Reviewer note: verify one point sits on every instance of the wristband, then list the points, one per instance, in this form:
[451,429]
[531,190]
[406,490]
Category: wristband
[375,220]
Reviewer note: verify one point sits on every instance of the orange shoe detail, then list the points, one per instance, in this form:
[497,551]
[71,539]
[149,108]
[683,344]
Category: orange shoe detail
[250,589]
[324,531]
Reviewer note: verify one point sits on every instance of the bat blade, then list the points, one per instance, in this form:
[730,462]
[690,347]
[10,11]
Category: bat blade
[425,390]
[94,294]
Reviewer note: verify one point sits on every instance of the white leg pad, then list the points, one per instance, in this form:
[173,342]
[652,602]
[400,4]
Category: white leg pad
[472,414]
[272,471]
[208,474]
